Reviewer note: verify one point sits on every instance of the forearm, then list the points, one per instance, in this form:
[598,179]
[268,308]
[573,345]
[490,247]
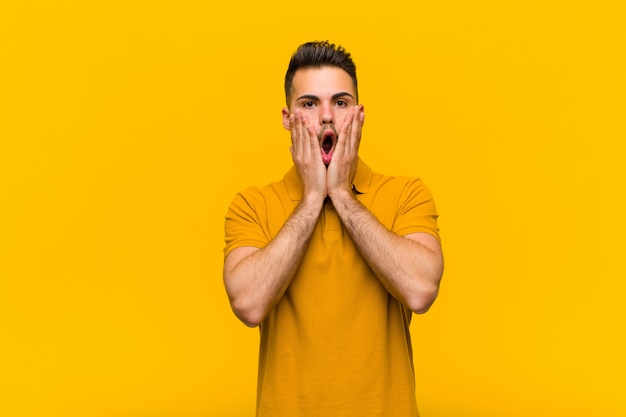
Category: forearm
[409,270]
[256,282]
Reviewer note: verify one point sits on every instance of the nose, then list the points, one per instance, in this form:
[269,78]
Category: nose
[326,115]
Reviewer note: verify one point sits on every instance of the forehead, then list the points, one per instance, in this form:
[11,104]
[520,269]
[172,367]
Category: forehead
[324,81]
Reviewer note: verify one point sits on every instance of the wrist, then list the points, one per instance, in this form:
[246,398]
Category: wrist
[313,199]
[340,194]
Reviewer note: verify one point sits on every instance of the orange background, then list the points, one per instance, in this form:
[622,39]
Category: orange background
[127,127]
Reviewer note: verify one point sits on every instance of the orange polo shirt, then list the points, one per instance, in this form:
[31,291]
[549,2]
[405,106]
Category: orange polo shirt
[337,343]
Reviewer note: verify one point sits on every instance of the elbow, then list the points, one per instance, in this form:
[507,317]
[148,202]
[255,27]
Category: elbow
[424,296]
[421,303]
[248,320]
[245,306]
[423,299]
[248,314]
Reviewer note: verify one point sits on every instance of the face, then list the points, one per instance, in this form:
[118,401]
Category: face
[324,96]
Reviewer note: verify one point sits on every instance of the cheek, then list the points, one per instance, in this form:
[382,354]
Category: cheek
[340,119]
[344,114]
[313,115]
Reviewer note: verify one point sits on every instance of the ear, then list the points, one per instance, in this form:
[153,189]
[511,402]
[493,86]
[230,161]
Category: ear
[362,114]
[286,118]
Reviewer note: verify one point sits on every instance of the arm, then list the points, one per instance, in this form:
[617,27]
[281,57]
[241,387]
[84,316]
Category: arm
[409,267]
[256,279]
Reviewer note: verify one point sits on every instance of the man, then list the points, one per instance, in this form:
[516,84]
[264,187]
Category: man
[332,260]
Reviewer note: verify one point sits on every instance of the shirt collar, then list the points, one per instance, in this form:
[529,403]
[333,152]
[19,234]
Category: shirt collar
[360,183]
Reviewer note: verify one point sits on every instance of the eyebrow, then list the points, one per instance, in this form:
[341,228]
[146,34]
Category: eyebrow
[335,96]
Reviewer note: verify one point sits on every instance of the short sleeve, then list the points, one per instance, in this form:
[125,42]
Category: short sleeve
[416,211]
[242,223]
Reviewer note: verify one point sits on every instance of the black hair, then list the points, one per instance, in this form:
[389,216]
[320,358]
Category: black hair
[316,55]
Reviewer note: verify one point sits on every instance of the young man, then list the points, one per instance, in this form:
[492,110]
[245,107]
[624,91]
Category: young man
[332,260]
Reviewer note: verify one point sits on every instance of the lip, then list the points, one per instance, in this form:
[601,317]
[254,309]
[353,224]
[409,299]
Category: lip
[326,133]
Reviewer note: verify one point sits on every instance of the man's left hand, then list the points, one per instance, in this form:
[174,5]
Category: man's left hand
[342,167]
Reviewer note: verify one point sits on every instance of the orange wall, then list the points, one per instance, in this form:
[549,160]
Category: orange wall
[127,127]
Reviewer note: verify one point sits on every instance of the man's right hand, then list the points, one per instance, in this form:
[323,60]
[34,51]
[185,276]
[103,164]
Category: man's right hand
[257,278]
[307,157]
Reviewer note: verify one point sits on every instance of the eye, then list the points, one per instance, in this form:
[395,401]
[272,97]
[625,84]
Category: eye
[341,103]
[308,104]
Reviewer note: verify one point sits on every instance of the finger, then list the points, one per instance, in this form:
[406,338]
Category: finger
[299,139]
[357,127]
[292,129]
[312,140]
[344,141]
[305,136]
[314,143]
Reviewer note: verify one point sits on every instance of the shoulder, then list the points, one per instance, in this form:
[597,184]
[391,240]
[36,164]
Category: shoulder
[248,197]
[255,198]
[400,186]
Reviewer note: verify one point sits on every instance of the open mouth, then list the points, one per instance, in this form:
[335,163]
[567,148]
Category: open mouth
[327,144]
[328,139]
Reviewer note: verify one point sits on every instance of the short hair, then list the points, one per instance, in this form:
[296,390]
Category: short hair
[319,54]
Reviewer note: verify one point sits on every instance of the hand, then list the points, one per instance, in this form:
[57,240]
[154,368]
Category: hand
[342,167]
[306,155]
